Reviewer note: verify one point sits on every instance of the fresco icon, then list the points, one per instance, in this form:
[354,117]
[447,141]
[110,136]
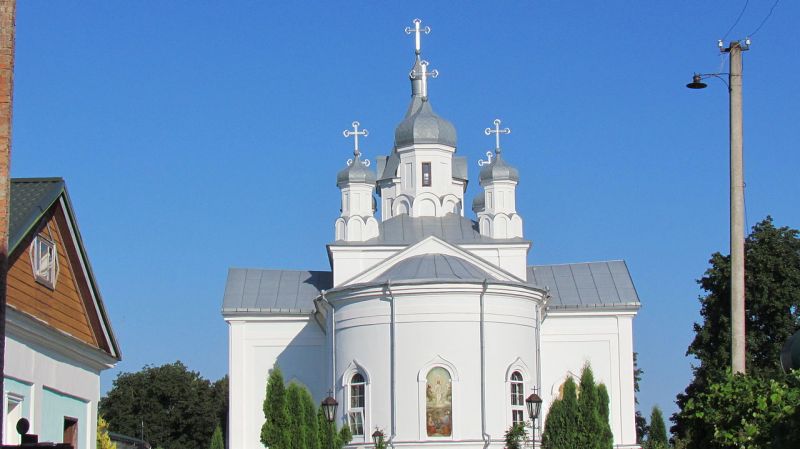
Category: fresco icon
[439,403]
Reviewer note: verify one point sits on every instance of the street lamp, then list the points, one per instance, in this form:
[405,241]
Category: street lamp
[734,83]
[329,406]
[534,404]
[377,438]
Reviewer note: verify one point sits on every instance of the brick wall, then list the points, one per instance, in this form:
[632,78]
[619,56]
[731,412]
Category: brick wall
[7,30]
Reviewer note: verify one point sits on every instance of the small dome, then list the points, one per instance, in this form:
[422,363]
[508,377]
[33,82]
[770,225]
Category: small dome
[422,125]
[498,170]
[357,172]
[479,202]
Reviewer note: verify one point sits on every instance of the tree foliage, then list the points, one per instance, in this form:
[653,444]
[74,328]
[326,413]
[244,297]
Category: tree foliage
[657,435]
[168,405]
[103,440]
[772,314]
[641,422]
[515,436]
[293,421]
[579,420]
[746,412]
[275,431]
[216,439]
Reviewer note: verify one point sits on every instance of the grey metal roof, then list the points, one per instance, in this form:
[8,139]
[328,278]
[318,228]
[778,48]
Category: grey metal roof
[422,125]
[460,168]
[355,172]
[407,230]
[498,170]
[592,284]
[433,266]
[285,291]
[30,198]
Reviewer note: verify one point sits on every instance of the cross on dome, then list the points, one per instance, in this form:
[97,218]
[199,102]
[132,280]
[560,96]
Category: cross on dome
[417,30]
[497,131]
[355,133]
[423,75]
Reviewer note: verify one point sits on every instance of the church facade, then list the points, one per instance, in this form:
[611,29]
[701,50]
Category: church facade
[430,326]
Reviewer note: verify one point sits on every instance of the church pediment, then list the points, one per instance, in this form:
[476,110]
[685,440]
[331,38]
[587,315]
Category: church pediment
[432,259]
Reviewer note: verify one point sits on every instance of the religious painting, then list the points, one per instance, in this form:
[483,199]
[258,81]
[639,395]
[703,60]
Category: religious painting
[439,403]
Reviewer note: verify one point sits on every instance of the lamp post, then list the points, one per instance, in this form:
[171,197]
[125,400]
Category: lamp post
[734,83]
[377,438]
[534,404]
[329,406]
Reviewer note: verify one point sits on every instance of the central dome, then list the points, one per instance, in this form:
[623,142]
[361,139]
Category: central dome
[422,125]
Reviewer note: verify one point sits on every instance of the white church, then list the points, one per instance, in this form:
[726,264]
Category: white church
[430,324]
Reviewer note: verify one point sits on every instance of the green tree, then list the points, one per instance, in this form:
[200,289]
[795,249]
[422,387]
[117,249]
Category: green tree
[310,417]
[296,414]
[216,439]
[641,422]
[515,436]
[606,436]
[560,429]
[328,432]
[772,313]
[657,438]
[275,432]
[745,412]
[221,399]
[175,406]
[103,440]
[589,421]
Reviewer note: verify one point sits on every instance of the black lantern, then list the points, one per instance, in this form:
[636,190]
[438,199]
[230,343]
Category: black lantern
[377,438]
[329,406]
[534,403]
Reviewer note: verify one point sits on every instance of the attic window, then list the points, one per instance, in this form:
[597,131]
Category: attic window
[44,260]
[426,174]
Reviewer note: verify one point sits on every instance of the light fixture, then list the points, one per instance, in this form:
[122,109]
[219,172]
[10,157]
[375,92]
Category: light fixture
[377,438]
[697,82]
[534,404]
[329,406]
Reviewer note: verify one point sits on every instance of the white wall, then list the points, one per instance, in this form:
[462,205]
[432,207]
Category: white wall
[295,343]
[45,369]
[602,339]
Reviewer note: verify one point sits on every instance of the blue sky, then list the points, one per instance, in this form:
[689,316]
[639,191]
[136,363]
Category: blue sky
[197,136]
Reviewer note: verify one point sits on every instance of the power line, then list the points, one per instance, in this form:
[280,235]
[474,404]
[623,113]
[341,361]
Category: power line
[741,13]
[765,18]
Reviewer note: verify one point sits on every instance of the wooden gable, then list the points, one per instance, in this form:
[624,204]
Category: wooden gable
[69,306]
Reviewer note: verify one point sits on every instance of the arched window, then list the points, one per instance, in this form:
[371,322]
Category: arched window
[355,410]
[439,403]
[517,398]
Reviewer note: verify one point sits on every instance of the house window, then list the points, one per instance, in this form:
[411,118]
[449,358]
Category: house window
[517,398]
[71,431]
[426,174]
[44,260]
[355,412]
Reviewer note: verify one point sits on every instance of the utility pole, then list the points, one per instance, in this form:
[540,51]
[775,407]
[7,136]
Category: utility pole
[737,208]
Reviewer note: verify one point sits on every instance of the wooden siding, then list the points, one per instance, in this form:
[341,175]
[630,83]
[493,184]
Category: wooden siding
[64,308]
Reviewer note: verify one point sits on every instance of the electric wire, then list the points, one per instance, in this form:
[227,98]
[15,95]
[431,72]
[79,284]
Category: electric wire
[741,13]
[765,18]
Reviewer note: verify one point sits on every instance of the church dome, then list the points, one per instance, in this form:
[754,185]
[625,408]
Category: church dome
[422,125]
[356,172]
[479,202]
[498,170]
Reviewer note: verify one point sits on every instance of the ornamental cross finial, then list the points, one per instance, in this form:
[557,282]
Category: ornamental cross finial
[423,75]
[497,131]
[417,30]
[481,162]
[355,133]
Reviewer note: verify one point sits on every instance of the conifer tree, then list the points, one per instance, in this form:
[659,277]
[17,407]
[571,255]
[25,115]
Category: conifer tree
[589,420]
[296,415]
[603,402]
[103,440]
[310,417]
[275,431]
[216,439]
[657,437]
[561,426]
